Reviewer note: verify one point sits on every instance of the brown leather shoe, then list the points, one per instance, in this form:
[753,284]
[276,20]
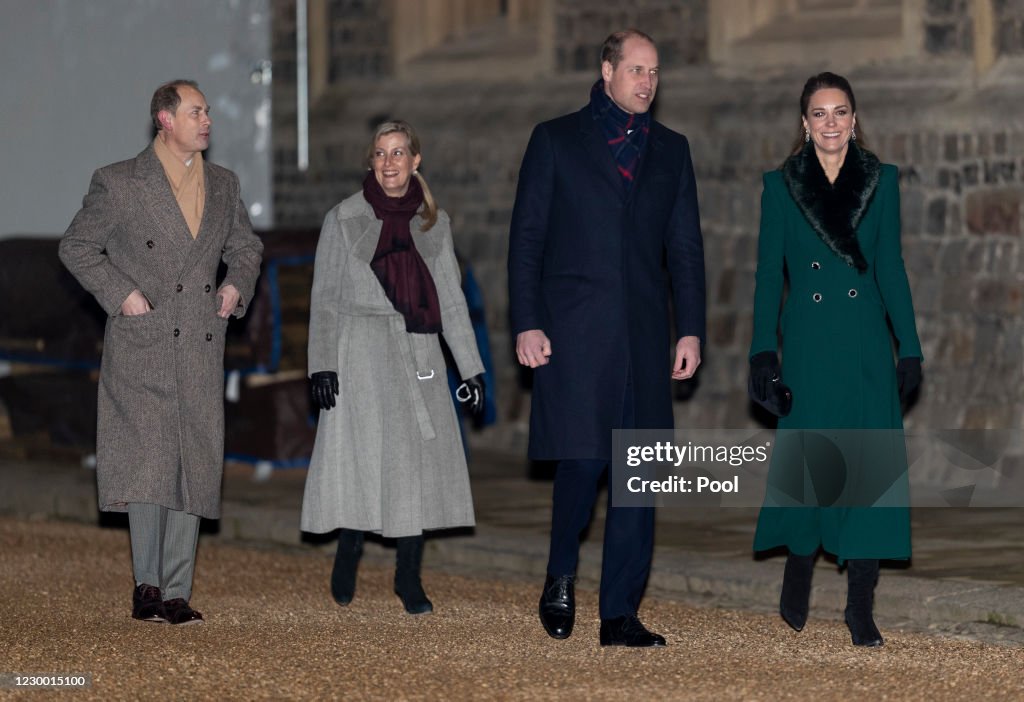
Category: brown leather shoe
[148,605]
[177,611]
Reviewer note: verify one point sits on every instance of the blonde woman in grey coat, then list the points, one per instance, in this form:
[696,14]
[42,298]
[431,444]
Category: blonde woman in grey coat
[388,456]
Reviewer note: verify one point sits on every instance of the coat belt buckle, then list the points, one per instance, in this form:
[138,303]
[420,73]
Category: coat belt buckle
[425,377]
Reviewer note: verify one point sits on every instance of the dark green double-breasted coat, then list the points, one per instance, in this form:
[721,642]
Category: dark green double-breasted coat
[837,357]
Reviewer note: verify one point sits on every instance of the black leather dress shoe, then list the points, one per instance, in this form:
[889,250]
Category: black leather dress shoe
[628,631]
[558,606]
[148,605]
[178,612]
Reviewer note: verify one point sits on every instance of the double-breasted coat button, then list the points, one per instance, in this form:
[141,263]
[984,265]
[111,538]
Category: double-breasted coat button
[179,287]
[209,336]
[816,297]
[207,288]
[150,244]
[815,265]
[177,332]
[853,292]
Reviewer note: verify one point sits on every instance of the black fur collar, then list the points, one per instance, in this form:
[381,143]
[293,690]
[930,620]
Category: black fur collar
[834,209]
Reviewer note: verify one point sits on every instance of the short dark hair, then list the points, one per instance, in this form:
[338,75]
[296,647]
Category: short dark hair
[167,98]
[611,50]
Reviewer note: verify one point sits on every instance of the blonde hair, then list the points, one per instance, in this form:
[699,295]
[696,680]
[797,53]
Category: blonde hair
[429,212]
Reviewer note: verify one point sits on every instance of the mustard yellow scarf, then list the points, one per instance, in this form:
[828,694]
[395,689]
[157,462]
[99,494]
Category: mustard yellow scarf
[187,184]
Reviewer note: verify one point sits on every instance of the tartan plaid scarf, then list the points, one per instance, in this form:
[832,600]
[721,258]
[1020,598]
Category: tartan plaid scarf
[626,133]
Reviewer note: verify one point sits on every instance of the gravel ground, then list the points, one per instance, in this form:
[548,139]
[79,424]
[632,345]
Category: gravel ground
[272,632]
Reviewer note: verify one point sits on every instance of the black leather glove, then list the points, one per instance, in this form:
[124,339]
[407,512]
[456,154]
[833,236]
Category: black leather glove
[764,368]
[472,393]
[908,376]
[324,387]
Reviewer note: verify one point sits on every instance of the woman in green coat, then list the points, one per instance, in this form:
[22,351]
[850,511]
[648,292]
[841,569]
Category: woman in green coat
[830,216]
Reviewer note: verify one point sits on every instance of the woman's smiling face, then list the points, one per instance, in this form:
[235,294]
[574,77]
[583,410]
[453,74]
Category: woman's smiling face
[393,163]
[830,120]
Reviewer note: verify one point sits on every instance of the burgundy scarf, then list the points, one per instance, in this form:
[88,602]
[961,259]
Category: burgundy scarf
[396,262]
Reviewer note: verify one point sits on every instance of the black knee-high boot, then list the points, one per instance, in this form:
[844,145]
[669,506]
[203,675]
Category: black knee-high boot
[407,575]
[862,574]
[796,589]
[346,561]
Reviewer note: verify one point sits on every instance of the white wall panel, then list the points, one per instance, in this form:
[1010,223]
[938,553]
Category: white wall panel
[77,79]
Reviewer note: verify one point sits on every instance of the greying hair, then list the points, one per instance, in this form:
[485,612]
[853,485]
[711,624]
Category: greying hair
[167,98]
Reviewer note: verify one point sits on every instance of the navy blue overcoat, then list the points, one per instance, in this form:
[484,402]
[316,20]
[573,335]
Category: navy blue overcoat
[590,263]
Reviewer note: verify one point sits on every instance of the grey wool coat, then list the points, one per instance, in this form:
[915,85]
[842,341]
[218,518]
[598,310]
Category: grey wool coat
[160,433]
[388,458]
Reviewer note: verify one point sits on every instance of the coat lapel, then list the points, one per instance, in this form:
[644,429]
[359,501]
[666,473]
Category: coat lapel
[216,209]
[834,210]
[366,245]
[157,198]
[594,144]
[428,243]
[652,150]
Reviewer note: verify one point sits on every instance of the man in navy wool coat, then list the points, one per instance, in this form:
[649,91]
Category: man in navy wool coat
[605,219]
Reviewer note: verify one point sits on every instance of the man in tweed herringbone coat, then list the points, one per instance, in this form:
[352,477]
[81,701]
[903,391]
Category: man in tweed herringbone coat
[147,244]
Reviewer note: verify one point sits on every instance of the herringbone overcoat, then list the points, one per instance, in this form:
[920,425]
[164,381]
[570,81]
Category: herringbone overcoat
[160,433]
[389,457]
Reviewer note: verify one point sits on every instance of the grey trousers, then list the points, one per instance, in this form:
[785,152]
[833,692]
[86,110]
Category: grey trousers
[163,548]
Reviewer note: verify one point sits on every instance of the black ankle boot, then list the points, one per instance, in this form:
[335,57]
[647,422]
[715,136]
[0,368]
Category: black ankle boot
[796,589]
[346,561]
[862,574]
[407,575]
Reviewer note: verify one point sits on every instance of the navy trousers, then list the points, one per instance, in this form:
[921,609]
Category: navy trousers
[628,532]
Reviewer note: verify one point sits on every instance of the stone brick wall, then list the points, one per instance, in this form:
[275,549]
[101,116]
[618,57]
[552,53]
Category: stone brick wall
[948,27]
[962,198]
[1009,21]
[359,38]
[282,45]
[962,169]
[680,28]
